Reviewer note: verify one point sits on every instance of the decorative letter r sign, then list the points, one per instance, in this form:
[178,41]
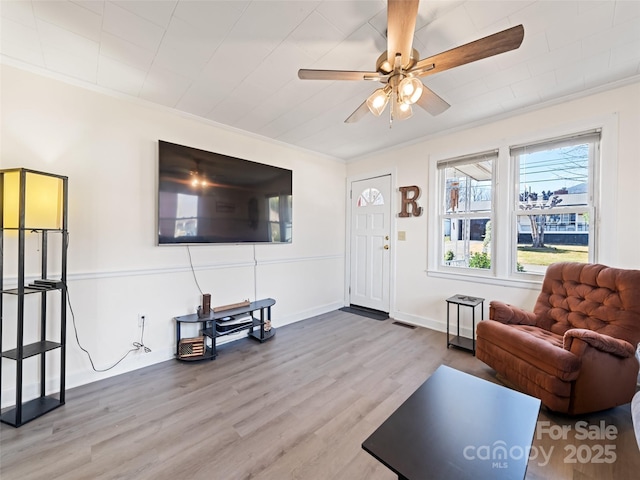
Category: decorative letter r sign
[410,196]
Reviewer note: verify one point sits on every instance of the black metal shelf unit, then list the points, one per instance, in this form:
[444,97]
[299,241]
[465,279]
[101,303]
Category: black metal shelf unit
[457,340]
[212,325]
[16,222]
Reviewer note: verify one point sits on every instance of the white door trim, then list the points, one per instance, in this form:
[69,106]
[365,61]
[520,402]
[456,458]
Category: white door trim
[393,242]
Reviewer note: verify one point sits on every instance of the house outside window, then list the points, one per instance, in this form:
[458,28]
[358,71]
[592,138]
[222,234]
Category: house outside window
[511,212]
[555,202]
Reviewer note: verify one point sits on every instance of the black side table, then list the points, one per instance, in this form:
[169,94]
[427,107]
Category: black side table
[457,340]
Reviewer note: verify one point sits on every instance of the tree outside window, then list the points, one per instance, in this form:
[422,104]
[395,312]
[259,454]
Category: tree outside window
[554,201]
[513,211]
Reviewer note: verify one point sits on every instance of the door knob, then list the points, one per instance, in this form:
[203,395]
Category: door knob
[386,247]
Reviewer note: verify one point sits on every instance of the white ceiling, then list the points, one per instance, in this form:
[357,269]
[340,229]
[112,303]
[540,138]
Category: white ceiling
[236,62]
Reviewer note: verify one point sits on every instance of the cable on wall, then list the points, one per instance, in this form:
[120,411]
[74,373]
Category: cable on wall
[137,345]
[255,274]
[193,270]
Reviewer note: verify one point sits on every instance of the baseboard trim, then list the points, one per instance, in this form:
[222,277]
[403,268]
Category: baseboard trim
[430,323]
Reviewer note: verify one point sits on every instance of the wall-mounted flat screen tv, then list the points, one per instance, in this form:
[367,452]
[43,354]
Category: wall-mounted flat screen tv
[206,197]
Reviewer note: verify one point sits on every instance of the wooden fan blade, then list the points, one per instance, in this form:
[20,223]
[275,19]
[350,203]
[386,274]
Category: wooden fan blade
[495,44]
[359,113]
[306,74]
[401,25]
[432,102]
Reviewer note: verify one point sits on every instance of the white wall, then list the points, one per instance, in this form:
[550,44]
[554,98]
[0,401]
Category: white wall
[420,297]
[108,148]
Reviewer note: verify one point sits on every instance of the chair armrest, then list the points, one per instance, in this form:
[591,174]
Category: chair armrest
[635,415]
[505,313]
[604,343]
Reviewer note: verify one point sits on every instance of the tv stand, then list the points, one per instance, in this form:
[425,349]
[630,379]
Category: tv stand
[213,326]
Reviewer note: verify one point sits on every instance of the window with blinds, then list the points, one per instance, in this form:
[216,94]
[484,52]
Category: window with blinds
[548,199]
[465,210]
[554,201]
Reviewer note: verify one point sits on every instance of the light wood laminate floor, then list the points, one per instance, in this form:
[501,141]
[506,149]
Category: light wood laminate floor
[296,407]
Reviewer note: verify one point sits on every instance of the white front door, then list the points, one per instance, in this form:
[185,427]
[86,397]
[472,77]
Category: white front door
[370,244]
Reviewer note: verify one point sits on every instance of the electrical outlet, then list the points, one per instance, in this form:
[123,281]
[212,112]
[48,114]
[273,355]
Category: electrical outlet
[141,319]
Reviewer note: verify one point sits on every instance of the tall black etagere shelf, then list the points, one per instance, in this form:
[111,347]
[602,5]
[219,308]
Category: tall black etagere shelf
[33,202]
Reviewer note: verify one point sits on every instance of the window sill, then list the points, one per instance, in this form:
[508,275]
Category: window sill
[513,282]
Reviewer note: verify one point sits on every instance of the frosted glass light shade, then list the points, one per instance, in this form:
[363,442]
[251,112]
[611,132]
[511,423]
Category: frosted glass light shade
[401,111]
[43,196]
[377,101]
[410,90]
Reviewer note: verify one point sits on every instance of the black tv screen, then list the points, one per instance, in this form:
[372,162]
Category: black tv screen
[206,197]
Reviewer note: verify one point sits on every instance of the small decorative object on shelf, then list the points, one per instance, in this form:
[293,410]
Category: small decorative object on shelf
[33,203]
[206,303]
[231,306]
[191,347]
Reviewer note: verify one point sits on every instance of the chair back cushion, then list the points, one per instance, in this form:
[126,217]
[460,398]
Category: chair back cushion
[590,296]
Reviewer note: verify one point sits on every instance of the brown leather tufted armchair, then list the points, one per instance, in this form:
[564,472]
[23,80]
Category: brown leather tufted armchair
[576,350]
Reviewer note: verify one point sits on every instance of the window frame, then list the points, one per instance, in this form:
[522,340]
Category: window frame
[604,179]
[283,224]
[592,136]
[441,167]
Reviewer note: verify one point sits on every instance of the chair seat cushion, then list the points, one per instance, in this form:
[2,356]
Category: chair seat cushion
[534,346]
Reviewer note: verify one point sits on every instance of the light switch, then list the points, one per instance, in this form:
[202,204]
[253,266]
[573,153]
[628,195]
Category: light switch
[402,235]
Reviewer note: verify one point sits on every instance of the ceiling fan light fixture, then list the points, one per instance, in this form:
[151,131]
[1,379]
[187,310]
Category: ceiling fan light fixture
[400,66]
[198,180]
[401,110]
[409,90]
[377,101]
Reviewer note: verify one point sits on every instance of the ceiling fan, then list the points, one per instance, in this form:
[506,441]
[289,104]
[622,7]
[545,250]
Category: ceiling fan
[399,68]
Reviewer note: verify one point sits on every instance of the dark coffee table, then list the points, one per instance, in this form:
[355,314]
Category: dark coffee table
[457,426]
